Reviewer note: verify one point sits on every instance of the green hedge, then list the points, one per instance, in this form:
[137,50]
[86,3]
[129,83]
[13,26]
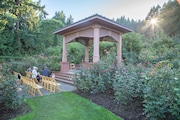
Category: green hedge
[9,58]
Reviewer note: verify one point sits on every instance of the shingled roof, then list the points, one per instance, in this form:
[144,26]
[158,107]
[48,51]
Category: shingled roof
[94,19]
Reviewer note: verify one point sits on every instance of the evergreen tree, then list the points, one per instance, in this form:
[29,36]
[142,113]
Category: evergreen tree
[60,16]
[69,20]
[20,18]
[45,30]
[150,22]
[170,18]
[128,23]
[153,13]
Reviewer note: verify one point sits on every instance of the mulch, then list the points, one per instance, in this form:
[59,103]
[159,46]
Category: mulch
[131,111]
[8,114]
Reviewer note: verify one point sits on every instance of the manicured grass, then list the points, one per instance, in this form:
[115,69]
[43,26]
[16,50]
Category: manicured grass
[65,106]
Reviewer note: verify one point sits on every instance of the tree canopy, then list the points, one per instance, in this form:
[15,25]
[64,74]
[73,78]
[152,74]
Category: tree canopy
[19,20]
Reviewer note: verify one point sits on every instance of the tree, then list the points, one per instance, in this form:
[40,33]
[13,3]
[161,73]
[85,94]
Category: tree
[45,30]
[60,16]
[170,18]
[129,23]
[20,19]
[151,21]
[153,13]
[75,52]
[131,46]
[69,20]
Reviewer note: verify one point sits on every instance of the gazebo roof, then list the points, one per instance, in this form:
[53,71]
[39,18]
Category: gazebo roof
[94,19]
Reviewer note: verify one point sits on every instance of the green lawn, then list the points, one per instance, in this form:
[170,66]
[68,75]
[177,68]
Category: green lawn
[65,106]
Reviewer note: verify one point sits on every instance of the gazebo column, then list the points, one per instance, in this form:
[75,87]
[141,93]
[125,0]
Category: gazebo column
[119,48]
[87,54]
[64,55]
[64,63]
[96,43]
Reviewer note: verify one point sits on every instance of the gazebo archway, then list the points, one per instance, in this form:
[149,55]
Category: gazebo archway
[89,31]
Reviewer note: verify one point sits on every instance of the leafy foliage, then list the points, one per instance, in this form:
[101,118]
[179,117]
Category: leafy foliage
[97,78]
[37,60]
[169,17]
[76,52]
[134,25]
[19,19]
[129,82]
[45,30]
[164,48]
[60,16]
[9,98]
[131,46]
[106,48]
[160,97]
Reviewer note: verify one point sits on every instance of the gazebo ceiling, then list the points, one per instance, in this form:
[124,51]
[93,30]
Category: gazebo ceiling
[94,19]
[83,40]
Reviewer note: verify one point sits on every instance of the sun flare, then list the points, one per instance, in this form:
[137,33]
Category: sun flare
[153,21]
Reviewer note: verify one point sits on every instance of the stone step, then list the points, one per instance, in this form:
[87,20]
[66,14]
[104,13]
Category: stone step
[65,81]
[61,74]
[64,77]
[69,78]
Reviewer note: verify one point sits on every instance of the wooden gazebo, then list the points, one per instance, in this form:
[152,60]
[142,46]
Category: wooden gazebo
[89,31]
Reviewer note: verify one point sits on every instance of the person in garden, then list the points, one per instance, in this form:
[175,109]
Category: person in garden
[53,75]
[45,72]
[35,74]
[29,72]
[29,69]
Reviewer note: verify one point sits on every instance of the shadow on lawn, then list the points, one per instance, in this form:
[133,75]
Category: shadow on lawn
[132,111]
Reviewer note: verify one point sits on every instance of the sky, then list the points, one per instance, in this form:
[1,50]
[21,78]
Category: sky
[80,9]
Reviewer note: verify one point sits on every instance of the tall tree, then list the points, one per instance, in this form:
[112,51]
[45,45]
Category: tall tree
[69,20]
[151,21]
[60,16]
[23,16]
[129,23]
[170,18]
[46,29]
[153,13]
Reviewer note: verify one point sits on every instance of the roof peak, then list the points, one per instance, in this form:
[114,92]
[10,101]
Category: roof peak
[92,18]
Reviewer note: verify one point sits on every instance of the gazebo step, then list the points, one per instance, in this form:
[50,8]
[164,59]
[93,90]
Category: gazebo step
[65,81]
[64,77]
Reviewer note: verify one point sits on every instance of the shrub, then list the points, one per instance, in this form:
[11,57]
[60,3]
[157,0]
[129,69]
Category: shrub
[37,60]
[161,99]
[82,80]
[53,51]
[75,52]
[98,77]
[131,47]
[9,98]
[175,107]
[129,82]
